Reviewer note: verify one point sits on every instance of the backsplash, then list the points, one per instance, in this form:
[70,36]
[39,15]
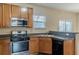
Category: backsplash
[4,31]
[29,30]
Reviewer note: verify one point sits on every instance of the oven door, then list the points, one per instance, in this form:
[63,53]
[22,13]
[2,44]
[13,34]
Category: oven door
[20,46]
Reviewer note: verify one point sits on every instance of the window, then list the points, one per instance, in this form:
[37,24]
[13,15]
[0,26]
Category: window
[39,21]
[61,25]
[65,26]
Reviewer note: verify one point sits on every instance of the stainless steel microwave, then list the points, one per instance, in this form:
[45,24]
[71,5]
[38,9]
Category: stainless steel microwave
[16,22]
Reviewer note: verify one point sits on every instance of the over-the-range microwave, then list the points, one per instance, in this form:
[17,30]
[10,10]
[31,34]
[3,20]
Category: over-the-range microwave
[18,22]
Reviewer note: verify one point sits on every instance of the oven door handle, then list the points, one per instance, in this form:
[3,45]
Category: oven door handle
[21,41]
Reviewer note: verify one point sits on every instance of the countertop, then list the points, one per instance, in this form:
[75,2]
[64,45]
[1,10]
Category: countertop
[38,35]
[4,36]
[52,36]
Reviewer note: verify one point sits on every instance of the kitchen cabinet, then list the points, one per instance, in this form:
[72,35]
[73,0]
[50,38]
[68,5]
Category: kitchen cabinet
[34,45]
[30,22]
[27,14]
[40,45]
[5,46]
[49,45]
[69,47]
[7,11]
[16,11]
[0,49]
[6,15]
[63,47]
[45,45]
[0,15]
[24,13]
[77,44]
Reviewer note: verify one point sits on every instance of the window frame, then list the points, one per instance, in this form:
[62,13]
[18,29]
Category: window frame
[65,25]
[40,22]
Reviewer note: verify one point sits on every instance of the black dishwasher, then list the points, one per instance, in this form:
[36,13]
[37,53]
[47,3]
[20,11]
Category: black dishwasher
[57,47]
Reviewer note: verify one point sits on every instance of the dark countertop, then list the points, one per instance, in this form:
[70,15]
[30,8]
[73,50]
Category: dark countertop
[60,35]
[4,36]
[51,36]
[56,34]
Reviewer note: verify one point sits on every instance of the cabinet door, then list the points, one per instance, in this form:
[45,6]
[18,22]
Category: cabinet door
[0,15]
[69,47]
[6,15]
[16,11]
[34,45]
[5,46]
[30,13]
[24,13]
[0,49]
[45,45]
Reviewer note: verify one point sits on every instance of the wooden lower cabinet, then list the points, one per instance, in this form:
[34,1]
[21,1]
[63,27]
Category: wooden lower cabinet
[45,45]
[69,47]
[5,46]
[0,49]
[40,45]
[34,45]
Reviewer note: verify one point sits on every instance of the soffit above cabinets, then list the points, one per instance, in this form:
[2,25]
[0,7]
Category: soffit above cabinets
[72,7]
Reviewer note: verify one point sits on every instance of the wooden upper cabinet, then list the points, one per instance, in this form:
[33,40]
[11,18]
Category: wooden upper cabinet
[69,47]
[6,15]
[30,22]
[27,13]
[1,15]
[7,11]
[24,13]
[16,11]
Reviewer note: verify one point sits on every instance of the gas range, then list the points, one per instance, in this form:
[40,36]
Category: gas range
[19,42]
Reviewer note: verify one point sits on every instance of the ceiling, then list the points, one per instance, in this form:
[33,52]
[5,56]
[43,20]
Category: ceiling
[73,7]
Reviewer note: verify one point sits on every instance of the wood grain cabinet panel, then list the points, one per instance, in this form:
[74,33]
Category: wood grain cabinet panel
[1,15]
[19,12]
[24,13]
[34,45]
[0,49]
[6,15]
[69,47]
[7,11]
[30,13]
[45,45]
[5,46]
[40,45]
[16,11]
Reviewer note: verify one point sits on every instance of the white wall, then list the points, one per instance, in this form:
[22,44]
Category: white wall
[77,22]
